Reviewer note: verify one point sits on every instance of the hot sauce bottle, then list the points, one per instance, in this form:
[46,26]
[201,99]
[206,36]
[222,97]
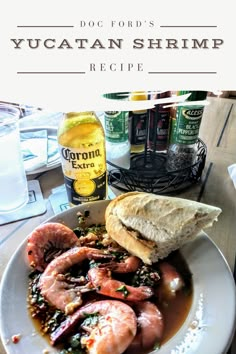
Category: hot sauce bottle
[159,124]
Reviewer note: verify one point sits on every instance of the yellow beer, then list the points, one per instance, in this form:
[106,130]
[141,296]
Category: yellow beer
[81,142]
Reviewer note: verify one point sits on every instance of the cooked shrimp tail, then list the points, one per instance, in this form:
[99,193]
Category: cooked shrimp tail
[128,265]
[171,281]
[102,280]
[150,328]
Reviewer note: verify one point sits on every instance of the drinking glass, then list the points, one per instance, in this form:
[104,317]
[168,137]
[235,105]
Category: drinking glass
[13,181]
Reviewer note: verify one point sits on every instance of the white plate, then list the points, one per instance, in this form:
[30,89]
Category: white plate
[208,329]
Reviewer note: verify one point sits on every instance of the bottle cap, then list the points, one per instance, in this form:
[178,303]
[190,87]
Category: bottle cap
[138,96]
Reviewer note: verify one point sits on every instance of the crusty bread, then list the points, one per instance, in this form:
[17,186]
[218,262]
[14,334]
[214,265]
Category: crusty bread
[151,226]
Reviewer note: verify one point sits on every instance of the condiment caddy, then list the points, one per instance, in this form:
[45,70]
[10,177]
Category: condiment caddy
[156,168]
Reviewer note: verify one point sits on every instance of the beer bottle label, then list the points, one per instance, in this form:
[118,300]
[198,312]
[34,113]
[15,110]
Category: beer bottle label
[116,126]
[84,172]
[137,128]
[188,120]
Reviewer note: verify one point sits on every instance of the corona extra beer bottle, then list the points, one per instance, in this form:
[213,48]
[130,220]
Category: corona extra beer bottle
[81,141]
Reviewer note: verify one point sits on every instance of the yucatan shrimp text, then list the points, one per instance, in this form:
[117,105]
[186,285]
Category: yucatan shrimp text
[117,43]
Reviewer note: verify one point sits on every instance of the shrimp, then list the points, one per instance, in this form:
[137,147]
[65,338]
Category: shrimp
[129,264]
[170,282]
[110,327]
[150,328]
[105,285]
[55,289]
[47,241]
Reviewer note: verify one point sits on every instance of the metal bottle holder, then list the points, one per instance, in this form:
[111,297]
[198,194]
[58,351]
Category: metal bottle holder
[148,173]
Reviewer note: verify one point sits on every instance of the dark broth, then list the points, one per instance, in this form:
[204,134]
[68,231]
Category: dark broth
[176,310]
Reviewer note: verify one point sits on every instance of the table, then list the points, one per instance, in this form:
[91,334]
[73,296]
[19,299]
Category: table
[218,131]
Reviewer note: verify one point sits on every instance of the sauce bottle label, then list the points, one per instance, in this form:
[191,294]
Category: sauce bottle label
[116,126]
[159,128]
[188,120]
[137,128]
[84,172]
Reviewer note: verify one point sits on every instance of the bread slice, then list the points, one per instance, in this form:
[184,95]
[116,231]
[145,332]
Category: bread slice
[151,226]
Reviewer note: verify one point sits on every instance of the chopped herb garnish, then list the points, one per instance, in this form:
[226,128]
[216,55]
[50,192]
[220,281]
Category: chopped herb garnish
[157,345]
[91,319]
[86,315]
[86,213]
[79,231]
[94,264]
[74,340]
[146,276]
[99,245]
[123,290]
[118,255]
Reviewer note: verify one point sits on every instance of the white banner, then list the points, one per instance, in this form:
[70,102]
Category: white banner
[64,55]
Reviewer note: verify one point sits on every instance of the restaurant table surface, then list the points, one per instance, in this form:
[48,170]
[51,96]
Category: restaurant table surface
[218,131]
